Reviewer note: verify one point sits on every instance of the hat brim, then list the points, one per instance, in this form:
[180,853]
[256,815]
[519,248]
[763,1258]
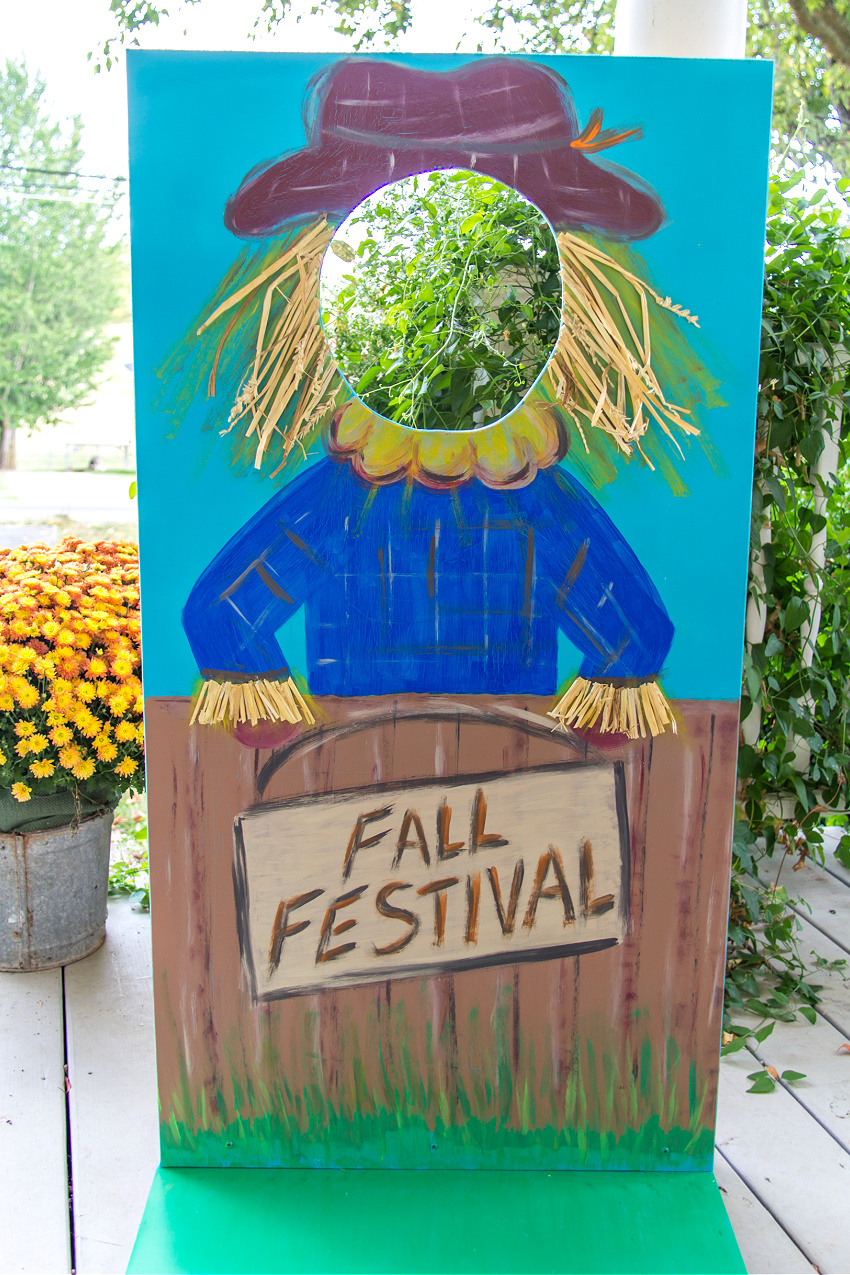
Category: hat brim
[571,190]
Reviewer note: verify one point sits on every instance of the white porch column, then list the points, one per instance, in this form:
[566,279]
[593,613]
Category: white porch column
[680,28]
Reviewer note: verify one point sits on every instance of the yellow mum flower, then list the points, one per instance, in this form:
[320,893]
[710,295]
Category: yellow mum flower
[23,658]
[22,729]
[61,735]
[122,666]
[65,637]
[22,747]
[86,692]
[26,695]
[70,757]
[97,667]
[37,743]
[119,703]
[42,769]
[84,770]
[62,698]
[62,598]
[105,748]
[125,732]
[83,641]
[6,703]
[20,792]
[126,768]
[2,758]
[19,628]
[86,722]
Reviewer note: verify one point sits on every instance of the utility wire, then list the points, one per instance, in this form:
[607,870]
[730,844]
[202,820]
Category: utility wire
[62,172]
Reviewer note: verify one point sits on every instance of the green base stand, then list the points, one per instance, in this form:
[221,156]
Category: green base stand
[203,1221]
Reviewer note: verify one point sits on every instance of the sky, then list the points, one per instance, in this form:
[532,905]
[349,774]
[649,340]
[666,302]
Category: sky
[54,37]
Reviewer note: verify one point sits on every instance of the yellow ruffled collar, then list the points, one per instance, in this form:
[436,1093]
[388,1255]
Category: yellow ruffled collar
[507,453]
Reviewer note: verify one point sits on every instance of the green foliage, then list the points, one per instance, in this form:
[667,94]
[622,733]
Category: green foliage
[60,278]
[129,871]
[766,974]
[793,776]
[764,1081]
[453,306]
[795,675]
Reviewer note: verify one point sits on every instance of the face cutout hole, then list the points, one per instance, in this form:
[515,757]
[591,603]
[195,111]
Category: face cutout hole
[441,299]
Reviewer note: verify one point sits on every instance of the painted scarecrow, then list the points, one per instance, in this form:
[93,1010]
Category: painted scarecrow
[432,561]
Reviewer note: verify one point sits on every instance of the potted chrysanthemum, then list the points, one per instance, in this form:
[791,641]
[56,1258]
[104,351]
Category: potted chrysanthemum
[71,740]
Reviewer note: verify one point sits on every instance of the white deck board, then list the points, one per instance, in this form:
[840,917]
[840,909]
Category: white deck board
[34,1219]
[765,1247]
[113,1101]
[797,1169]
[834,983]
[827,897]
[814,1050]
[831,838]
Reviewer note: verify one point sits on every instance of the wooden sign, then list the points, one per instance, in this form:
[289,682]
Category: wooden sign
[420,877]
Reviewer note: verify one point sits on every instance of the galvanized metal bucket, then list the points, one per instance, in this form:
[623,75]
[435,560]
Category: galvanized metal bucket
[53,887]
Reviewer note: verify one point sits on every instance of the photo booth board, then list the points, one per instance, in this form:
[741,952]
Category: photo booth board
[403,919]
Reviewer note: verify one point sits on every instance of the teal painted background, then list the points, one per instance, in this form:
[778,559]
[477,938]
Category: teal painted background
[200,121]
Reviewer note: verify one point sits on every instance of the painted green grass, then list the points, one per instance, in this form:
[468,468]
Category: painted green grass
[378,1141]
[611,1110]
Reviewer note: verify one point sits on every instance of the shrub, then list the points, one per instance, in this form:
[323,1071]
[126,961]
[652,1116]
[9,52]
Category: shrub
[70,689]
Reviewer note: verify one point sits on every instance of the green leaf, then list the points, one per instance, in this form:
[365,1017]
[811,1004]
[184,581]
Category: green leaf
[774,646]
[762,1082]
[791,1077]
[776,490]
[133,490]
[762,1034]
[808,1012]
[796,613]
[366,380]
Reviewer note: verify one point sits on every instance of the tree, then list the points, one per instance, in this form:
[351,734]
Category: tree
[60,278]
[808,39]
[452,306]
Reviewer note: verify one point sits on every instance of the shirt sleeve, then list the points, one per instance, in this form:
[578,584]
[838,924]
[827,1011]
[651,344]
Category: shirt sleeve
[260,579]
[603,598]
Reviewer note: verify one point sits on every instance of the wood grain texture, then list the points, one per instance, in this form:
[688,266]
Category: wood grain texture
[34,1216]
[523,1046]
[797,1174]
[112,1099]
[764,1245]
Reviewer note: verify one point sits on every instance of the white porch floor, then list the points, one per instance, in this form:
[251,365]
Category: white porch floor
[783,1161]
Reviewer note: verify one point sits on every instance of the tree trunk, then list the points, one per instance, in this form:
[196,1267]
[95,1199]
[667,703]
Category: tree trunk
[8,437]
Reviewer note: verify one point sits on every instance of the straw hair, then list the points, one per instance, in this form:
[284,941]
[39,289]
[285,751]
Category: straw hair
[601,371]
[292,362]
[259,700]
[637,710]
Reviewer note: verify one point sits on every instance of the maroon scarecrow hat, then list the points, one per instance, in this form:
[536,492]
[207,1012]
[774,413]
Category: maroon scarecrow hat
[370,123]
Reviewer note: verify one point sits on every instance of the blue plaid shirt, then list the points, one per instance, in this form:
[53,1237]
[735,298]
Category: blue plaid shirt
[407,589]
